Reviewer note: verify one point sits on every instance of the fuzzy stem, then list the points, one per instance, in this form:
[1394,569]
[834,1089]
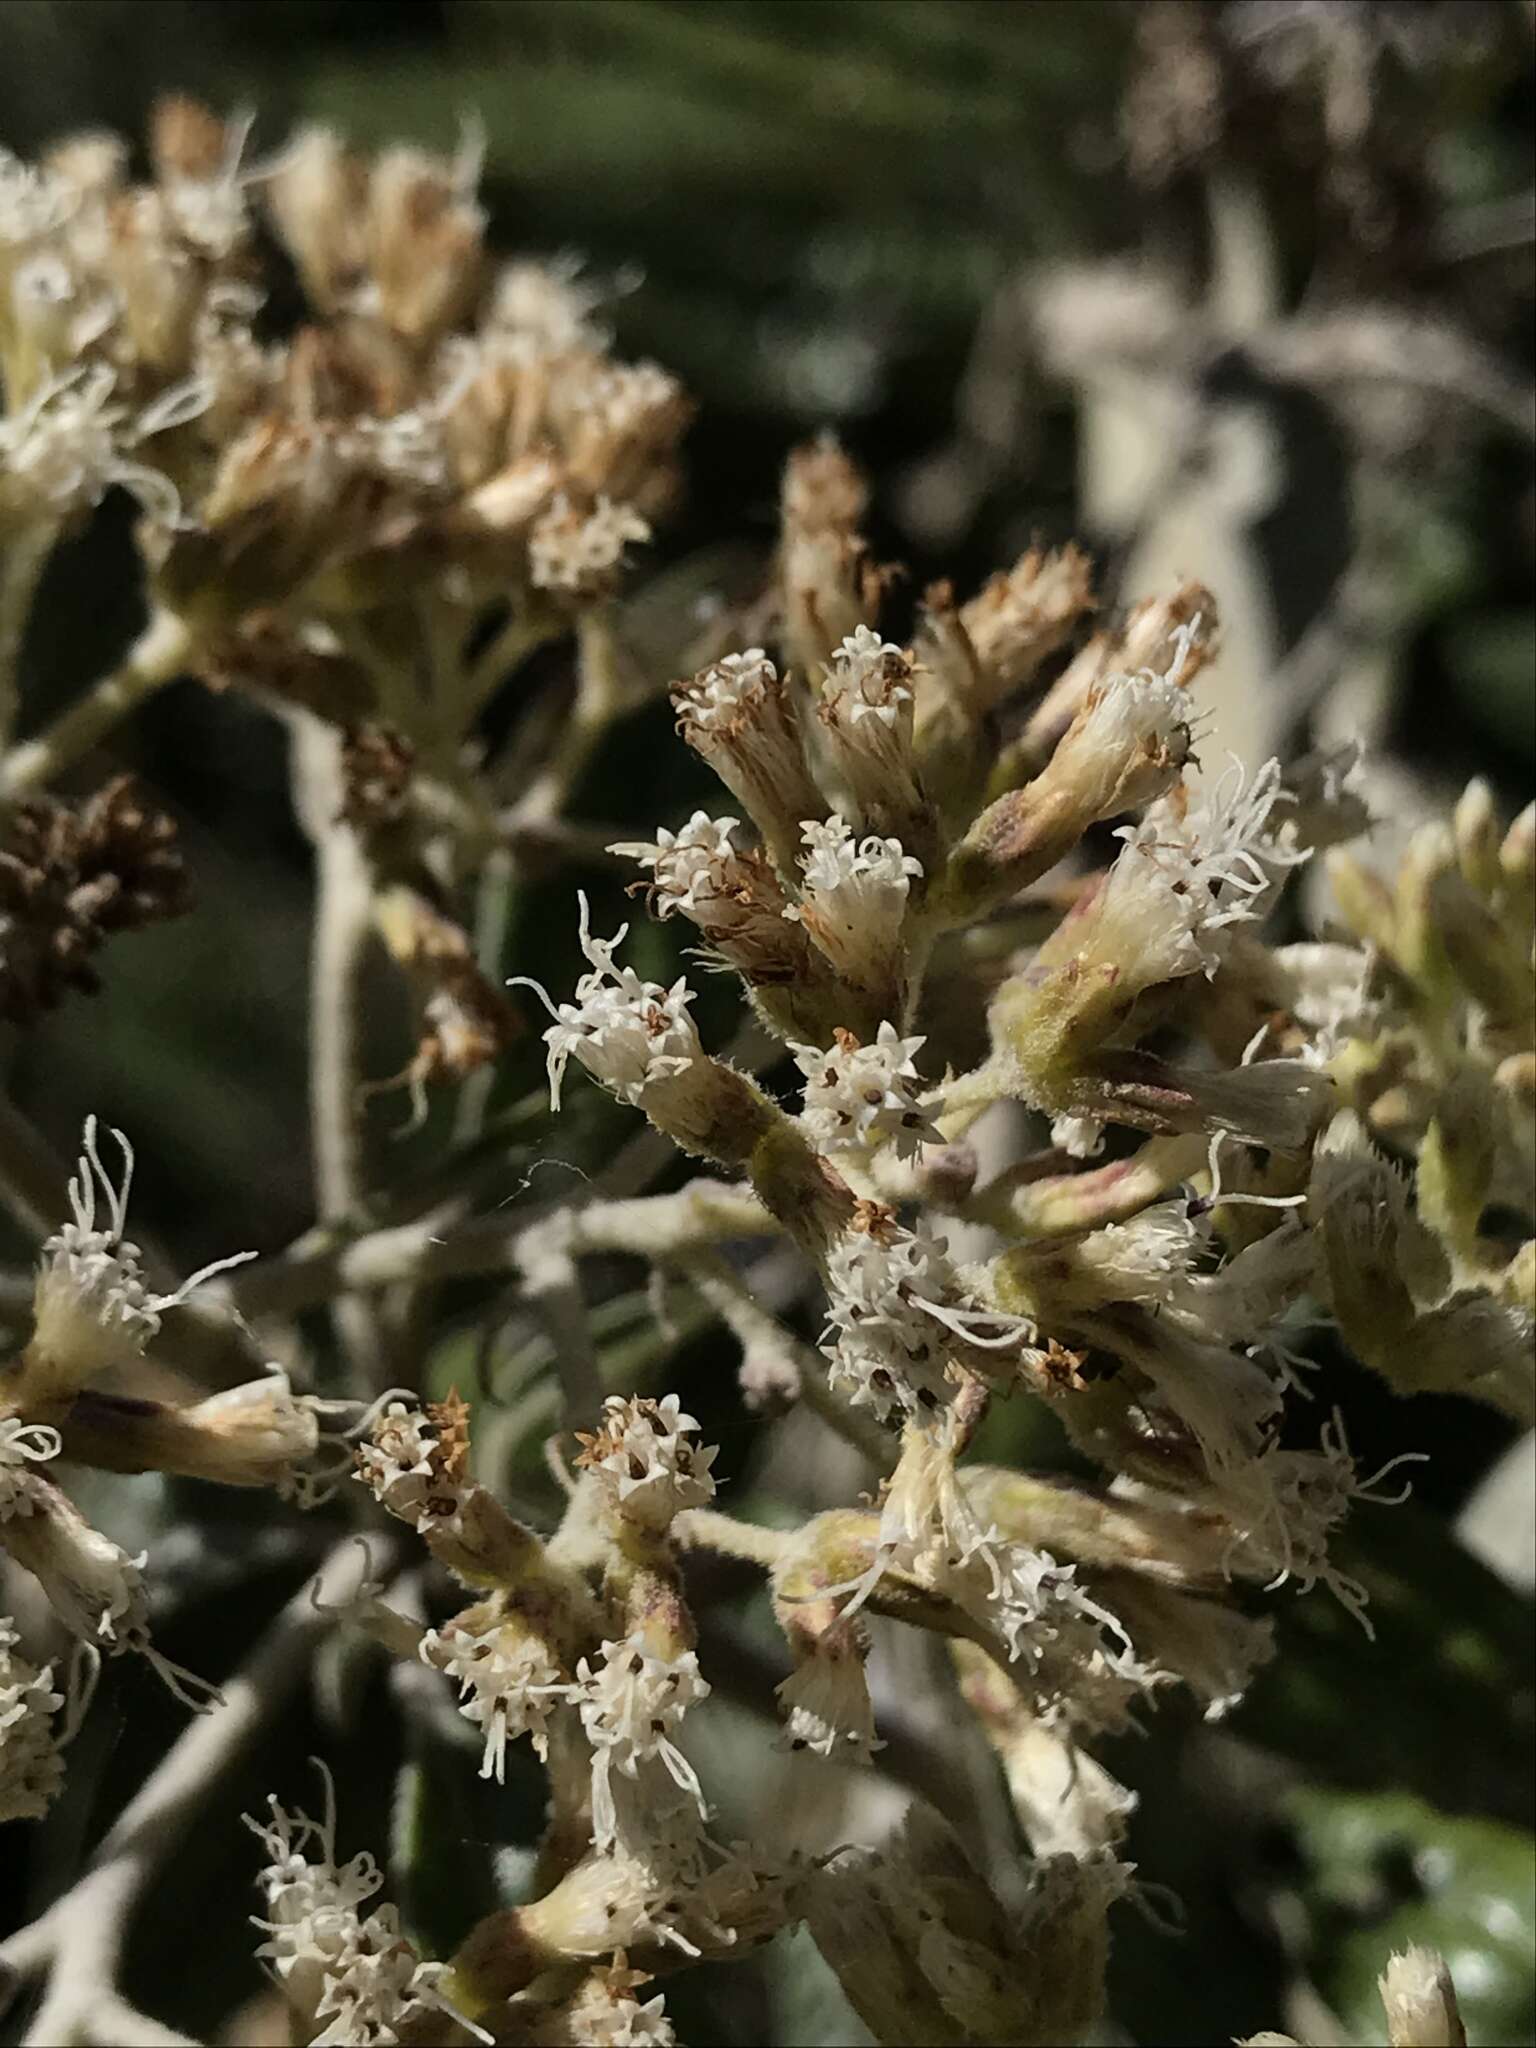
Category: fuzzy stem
[157,657]
[21,569]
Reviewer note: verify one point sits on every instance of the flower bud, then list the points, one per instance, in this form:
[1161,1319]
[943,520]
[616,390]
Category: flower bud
[1022,616]
[827,586]
[423,234]
[1420,2002]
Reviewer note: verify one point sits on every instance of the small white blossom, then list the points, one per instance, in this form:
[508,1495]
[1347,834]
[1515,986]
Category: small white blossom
[866,709]
[1080,1137]
[543,309]
[31,1768]
[737,687]
[864,1094]
[64,447]
[22,1444]
[91,1306]
[95,1588]
[33,201]
[355,1972]
[606,2013]
[697,870]
[855,897]
[738,715]
[404,1465]
[887,1353]
[211,212]
[644,1463]
[1189,871]
[1132,736]
[630,1706]
[580,552]
[631,1035]
[1328,990]
[1285,1505]
[508,1684]
[868,680]
[897,1308]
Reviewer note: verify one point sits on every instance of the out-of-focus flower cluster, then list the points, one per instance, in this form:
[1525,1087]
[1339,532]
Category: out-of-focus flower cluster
[979,864]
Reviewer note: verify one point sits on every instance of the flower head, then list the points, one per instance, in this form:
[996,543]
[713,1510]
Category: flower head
[91,1305]
[581,552]
[826,1699]
[863,1094]
[631,1702]
[606,2013]
[508,1683]
[631,1035]
[31,1768]
[354,1971]
[414,1466]
[854,900]
[866,712]
[66,445]
[22,1444]
[738,715]
[644,1462]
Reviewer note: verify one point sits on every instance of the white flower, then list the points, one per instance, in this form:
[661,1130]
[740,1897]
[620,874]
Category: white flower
[508,1685]
[91,1306]
[631,1035]
[866,708]
[630,1706]
[737,687]
[65,446]
[405,1465]
[94,1587]
[1328,990]
[606,2013]
[697,870]
[1188,871]
[210,212]
[892,1296]
[1132,736]
[578,551]
[868,680]
[34,203]
[855,896]
[1284,1507]
[644,1463]
[738,715]
[22,1444]
[31,1768]
[355,1972]
[826,1701]
[543,309]
[863,1094]
[887,1353]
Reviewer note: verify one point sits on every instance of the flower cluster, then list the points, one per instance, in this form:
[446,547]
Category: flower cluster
[1029,1103]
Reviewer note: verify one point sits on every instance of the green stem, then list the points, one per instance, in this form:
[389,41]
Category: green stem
[158,656]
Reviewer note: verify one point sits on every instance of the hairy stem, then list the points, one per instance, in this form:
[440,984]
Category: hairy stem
[157,657]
